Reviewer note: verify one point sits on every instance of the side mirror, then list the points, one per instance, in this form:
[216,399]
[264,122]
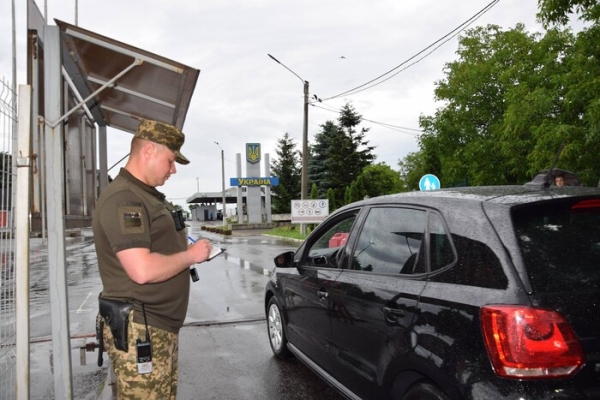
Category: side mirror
[285,260]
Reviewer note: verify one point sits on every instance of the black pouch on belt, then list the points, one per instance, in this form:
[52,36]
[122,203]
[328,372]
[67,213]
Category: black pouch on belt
[116,315]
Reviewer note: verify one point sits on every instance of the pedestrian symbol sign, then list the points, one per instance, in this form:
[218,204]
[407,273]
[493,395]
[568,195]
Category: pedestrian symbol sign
[429,182]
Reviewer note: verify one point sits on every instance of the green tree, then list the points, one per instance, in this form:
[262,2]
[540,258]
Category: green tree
[410,169]
[318,168]
[360,154]
[347,195]
[357,190]
[314,193]
[558,11]
[287,167]
[331,198]
[470,127]
[379,179]
[340,153]
[580,125]
[511,98]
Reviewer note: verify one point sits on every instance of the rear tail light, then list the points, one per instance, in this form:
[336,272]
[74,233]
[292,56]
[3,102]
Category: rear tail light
[530,343]
[587,205]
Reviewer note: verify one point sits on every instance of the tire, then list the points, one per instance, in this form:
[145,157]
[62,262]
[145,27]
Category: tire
[424,391]
[276,330]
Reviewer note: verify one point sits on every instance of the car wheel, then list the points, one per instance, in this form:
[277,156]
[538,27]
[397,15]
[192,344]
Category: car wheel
[276,329]
[424,391]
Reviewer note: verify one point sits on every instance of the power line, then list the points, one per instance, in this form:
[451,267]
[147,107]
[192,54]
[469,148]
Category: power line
[402,129]
[413,132]
[434,46]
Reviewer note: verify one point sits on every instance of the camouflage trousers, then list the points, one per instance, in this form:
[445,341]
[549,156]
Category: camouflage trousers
[161,383]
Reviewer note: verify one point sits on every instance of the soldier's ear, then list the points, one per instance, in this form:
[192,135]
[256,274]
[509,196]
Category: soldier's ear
[149,150]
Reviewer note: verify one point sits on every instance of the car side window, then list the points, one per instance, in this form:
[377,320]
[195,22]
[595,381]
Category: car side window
[476,265]
[390,240]
[324,249]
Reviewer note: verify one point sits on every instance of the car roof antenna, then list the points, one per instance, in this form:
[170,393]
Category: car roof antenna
[548,177]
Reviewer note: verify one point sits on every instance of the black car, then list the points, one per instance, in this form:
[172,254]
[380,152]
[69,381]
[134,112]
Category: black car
[464,293]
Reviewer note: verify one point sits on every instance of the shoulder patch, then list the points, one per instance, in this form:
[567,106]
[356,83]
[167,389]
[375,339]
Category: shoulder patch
[130,218]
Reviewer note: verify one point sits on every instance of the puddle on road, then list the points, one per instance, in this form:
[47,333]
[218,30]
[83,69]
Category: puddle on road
[81,270]
[253,286]
[247,265]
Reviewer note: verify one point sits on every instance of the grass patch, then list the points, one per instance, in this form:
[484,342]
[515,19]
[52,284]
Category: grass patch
[291,232]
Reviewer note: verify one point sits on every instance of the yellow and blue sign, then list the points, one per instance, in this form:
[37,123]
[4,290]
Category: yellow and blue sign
[272,181]
[253,152]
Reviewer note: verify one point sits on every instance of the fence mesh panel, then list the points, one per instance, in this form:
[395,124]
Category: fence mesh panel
[7,265]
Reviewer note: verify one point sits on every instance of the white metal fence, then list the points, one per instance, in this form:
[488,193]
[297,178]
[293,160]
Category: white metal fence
[7,264]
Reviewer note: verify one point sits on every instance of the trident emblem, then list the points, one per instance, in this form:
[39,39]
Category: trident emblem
[253,152]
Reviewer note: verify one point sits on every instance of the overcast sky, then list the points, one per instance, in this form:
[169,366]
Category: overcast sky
[243,96]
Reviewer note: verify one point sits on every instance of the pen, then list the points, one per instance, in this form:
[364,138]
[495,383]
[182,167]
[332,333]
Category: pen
[191,240]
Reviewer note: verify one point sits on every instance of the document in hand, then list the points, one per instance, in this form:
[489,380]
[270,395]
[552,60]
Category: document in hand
[215,252]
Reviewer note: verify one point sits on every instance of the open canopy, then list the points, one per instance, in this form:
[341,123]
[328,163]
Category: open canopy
[137,84]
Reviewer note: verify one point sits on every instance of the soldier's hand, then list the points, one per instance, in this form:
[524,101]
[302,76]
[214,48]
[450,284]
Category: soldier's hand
[200,250]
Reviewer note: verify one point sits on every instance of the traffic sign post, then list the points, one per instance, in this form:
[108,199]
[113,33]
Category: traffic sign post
[309,211]
[429,182]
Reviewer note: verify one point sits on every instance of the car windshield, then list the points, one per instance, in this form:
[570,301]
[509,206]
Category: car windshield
[560,241]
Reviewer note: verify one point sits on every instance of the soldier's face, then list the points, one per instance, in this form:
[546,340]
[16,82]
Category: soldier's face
[162,165]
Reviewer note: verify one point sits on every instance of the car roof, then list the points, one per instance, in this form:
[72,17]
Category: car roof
[507,195]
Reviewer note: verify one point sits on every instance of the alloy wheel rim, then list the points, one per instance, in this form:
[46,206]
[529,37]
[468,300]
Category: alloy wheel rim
[275,328]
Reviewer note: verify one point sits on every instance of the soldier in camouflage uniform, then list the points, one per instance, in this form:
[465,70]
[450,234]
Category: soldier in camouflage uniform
[144,259]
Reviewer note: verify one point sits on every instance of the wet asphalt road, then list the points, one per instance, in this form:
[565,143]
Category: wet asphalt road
[235,362]
[224,349]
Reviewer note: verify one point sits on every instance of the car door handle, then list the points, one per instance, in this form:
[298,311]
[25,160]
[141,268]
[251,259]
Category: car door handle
[322,294]
[393,312]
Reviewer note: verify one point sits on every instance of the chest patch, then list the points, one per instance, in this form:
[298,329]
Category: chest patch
[130,219]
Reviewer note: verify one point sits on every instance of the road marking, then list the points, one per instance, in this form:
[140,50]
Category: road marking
[80,309]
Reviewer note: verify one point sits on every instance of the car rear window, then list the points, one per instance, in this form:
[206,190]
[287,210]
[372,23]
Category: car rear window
[560,242]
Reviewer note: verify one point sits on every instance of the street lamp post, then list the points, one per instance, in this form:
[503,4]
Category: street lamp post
[223,183]
[304,179]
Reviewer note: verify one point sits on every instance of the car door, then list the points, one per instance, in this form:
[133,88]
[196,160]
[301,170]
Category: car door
[307,292]
[375,299]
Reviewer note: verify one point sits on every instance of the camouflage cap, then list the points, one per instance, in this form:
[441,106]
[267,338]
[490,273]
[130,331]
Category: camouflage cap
[165,134]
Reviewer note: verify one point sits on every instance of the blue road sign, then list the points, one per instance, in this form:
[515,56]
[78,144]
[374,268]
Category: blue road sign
[429,182]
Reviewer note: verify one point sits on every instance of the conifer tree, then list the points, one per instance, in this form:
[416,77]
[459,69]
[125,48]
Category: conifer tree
[287,167]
